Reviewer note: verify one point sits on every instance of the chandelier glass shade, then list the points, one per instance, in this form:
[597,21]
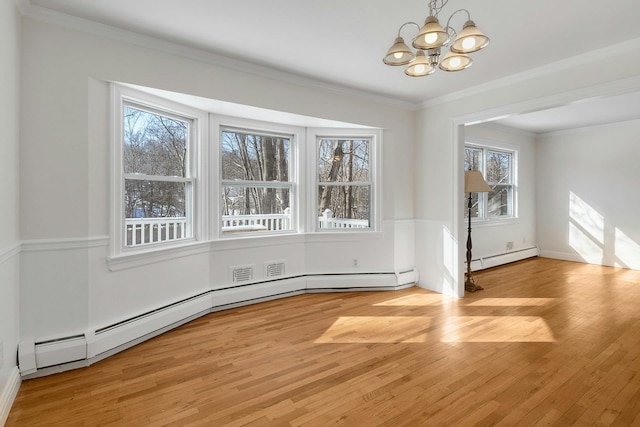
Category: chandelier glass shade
[431,39]
[419,66]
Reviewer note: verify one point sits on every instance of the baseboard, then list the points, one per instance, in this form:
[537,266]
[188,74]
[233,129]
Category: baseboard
[58,354]
[565,256]
[506,258]
[8,394]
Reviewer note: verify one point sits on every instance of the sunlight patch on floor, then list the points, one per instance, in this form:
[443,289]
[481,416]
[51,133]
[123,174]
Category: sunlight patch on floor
[511,302]
[497,329]
[377,329]
[417,300]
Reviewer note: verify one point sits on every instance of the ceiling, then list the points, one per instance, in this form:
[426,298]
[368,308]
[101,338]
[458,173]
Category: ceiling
[340,43]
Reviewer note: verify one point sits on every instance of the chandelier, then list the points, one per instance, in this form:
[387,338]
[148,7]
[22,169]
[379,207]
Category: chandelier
[429,41]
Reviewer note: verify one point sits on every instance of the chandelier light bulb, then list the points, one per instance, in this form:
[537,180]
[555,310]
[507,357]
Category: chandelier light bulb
[430,38]
[469,43]
[398,55]
[455,62]
[420,69]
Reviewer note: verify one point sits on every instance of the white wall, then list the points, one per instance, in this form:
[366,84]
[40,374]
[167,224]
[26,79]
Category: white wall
[440,234]
[9,189]
[67,286]
[587,195]
[490,238]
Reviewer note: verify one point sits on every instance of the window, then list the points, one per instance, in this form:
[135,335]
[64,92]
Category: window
[158,185]
[498,170]
[257,184]
[344,184]
[182,176]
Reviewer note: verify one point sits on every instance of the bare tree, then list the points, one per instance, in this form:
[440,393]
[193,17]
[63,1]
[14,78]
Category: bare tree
[154,145]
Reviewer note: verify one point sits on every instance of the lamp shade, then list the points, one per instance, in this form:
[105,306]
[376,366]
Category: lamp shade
[419,66]
[470,39]
[398,54]
[474,182]
[431,35]
[455,62]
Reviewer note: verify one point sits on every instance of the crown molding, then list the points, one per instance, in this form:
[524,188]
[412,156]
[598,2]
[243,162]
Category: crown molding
[49,16]
[597,56]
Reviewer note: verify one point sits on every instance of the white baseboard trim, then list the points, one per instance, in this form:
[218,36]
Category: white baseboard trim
[58,354]
[565,256]
[8,394]
[506,258]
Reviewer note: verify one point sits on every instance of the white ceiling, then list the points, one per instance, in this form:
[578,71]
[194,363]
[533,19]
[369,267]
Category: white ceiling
[340,43]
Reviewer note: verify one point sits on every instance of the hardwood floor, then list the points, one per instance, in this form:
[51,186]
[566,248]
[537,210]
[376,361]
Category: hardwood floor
[547,342]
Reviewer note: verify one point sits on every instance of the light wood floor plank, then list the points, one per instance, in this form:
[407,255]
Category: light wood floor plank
[547,342]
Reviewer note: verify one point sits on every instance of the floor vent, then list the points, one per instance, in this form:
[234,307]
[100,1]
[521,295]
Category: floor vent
[274,269]
[242,273]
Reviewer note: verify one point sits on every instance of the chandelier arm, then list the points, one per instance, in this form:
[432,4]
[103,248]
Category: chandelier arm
[407,23]
[453,14]
[435,6]
[453,36]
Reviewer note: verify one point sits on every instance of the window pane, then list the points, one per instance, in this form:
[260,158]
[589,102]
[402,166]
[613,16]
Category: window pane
[472,159]
[155,211]
[343,160]
[154,144]
[344,206]
[251,157]
[255,209]
[498,168]
[500,201]
[153,199]
[475,205]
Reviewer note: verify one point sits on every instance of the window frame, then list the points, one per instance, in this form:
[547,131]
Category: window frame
[121,97]
[220,123]
[315,135]
[483,198]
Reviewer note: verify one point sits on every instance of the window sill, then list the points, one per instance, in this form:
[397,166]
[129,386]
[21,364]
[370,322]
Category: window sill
[157,254]
[493,222]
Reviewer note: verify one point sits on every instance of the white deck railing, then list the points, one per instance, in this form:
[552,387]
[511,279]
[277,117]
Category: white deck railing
[328,221]
[144,231]
[265,222]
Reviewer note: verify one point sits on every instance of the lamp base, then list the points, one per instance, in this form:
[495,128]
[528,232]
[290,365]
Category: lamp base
[470,284]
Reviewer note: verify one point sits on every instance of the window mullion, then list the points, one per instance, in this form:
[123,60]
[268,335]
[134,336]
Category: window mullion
[158,178]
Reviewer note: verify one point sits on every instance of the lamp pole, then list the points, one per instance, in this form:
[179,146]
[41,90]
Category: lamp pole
[469,283]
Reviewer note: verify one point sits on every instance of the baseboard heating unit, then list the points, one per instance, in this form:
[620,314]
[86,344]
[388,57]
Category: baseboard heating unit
[39,357]
[505,258]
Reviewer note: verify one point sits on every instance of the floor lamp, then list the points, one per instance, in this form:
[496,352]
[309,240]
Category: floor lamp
[473,183]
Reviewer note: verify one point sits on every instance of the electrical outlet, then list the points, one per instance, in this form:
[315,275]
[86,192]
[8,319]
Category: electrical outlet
[355,262]
[509,246]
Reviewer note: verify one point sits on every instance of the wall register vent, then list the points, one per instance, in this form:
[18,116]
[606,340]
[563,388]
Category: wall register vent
[242,274]
[274,269]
